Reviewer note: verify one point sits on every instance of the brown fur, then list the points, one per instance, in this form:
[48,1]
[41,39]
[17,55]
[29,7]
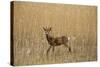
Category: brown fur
[63,40]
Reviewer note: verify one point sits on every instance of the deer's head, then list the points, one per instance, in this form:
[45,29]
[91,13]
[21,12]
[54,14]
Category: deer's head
[47,30]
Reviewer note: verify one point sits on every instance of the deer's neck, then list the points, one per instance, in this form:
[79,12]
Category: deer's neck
[49,38]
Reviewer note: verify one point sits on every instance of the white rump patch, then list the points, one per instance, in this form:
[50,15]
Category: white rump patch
[69,38]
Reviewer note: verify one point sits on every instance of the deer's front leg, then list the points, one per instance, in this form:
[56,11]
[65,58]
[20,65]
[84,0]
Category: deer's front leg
[53,49]
[48,49]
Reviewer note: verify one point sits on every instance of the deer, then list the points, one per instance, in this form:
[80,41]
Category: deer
[55,41]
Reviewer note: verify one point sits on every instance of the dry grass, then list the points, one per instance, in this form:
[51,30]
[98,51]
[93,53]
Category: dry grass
[77,22]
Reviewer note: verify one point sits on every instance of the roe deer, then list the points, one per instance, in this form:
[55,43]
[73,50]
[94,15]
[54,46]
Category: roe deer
[63,40]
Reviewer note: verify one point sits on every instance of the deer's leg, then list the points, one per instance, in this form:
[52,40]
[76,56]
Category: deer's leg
[53,49]
[48,50]
[67,47]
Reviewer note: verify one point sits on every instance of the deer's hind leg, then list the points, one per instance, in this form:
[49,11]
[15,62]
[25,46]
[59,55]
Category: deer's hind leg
[69,48]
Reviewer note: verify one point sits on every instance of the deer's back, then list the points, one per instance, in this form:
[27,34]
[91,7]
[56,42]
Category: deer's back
[61,40]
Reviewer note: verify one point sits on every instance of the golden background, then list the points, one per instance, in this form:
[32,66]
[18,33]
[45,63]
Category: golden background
[75,21]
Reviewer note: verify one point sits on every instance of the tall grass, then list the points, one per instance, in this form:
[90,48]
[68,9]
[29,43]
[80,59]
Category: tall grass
[76,22]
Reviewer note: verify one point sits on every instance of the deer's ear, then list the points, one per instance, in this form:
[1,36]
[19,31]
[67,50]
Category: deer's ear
[44,28]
